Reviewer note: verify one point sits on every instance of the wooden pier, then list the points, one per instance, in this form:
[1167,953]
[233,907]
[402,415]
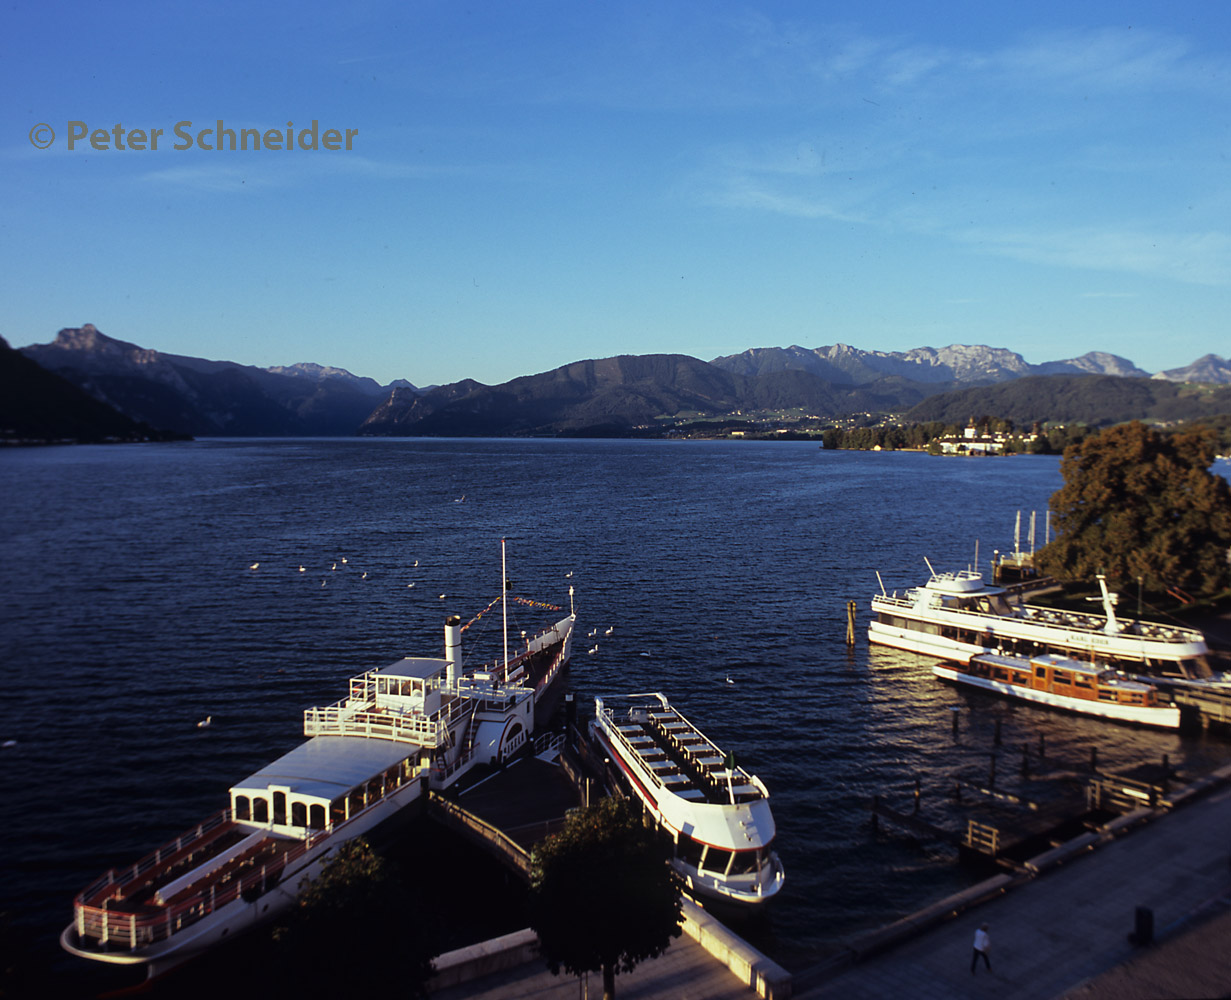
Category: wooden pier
[510,811]
[1007,828]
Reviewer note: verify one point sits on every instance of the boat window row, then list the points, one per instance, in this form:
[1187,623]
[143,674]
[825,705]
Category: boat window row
[720,861]
[311,815]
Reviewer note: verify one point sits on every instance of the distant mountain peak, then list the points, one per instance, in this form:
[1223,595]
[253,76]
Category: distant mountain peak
[1210,368]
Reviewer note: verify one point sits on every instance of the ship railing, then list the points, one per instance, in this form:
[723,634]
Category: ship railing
[441,771]
[140,930]
[336,720]
[120,877]
[1076,621]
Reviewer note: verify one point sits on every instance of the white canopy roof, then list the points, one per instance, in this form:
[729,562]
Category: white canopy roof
[415,666]
[328,766]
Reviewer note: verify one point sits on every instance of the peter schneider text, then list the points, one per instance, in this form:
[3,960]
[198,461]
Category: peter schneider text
[218,137]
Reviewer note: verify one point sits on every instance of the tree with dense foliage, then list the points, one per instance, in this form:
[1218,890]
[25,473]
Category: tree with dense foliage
[603,894]
[1136,503]
[353,924]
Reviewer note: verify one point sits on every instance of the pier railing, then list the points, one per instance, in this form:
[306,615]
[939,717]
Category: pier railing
[488,836]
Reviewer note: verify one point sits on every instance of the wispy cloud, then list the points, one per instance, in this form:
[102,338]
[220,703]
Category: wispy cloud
[1072,149]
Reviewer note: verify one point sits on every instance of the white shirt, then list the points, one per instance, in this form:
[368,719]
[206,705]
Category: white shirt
[982,940]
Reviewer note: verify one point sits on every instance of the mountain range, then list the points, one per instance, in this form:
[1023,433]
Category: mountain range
[622,396]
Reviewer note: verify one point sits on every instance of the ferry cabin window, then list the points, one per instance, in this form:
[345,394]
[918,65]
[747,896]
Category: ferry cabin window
[689,851]
[316,817]
[260,809]
[299,814]
[746,862]
[1040,672]
[337,810]
[243,807]
[716,860]
[280,808]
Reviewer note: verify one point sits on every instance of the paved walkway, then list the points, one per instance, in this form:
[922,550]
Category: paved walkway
[1063,930]
[1065,933]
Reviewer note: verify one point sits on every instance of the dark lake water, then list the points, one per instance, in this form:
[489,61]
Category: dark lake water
[130,613]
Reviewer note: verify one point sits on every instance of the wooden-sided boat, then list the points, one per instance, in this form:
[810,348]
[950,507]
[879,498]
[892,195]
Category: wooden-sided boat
[1060,682]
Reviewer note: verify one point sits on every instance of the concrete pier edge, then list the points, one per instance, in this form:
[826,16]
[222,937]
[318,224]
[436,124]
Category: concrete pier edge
[750,966]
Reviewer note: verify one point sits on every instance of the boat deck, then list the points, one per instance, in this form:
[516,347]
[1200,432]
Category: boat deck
[682,759]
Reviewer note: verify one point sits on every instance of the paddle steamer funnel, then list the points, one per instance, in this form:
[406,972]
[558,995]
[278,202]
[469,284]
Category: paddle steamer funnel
[453,648]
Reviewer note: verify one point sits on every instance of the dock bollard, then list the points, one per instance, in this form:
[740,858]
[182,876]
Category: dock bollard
[1143,927]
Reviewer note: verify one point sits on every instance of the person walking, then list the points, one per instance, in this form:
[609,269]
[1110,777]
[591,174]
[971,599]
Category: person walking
[983,944]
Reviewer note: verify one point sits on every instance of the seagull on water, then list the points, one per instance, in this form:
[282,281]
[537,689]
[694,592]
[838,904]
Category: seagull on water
[255,566]
[610,630]
[443,596]
[364,576]
[344,560]
[302,570]
[729,680]
[594,650]
[568,575]
[409,585]
[333,567]
[208,720]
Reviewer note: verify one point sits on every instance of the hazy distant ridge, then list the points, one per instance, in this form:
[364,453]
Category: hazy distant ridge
[623,395]
[957,363]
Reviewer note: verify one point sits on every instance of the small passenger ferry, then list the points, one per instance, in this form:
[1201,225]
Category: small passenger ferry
[956,615]
[1064,683]
[418,723]
[717,814]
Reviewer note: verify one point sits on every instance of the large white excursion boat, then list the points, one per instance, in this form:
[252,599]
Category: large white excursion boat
[716,814]
[1060,682]
[956,615]
[418,723]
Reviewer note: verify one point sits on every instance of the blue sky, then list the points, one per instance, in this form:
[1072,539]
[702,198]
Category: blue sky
[536,183]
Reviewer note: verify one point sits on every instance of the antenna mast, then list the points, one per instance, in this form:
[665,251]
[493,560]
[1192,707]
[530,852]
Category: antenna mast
[504,607]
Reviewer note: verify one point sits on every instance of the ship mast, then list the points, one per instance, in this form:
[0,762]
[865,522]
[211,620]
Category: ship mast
[504,607]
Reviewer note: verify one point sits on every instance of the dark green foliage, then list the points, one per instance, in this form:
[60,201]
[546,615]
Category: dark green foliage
[888,437]
[1136,503]
[603,894]
[354,928]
